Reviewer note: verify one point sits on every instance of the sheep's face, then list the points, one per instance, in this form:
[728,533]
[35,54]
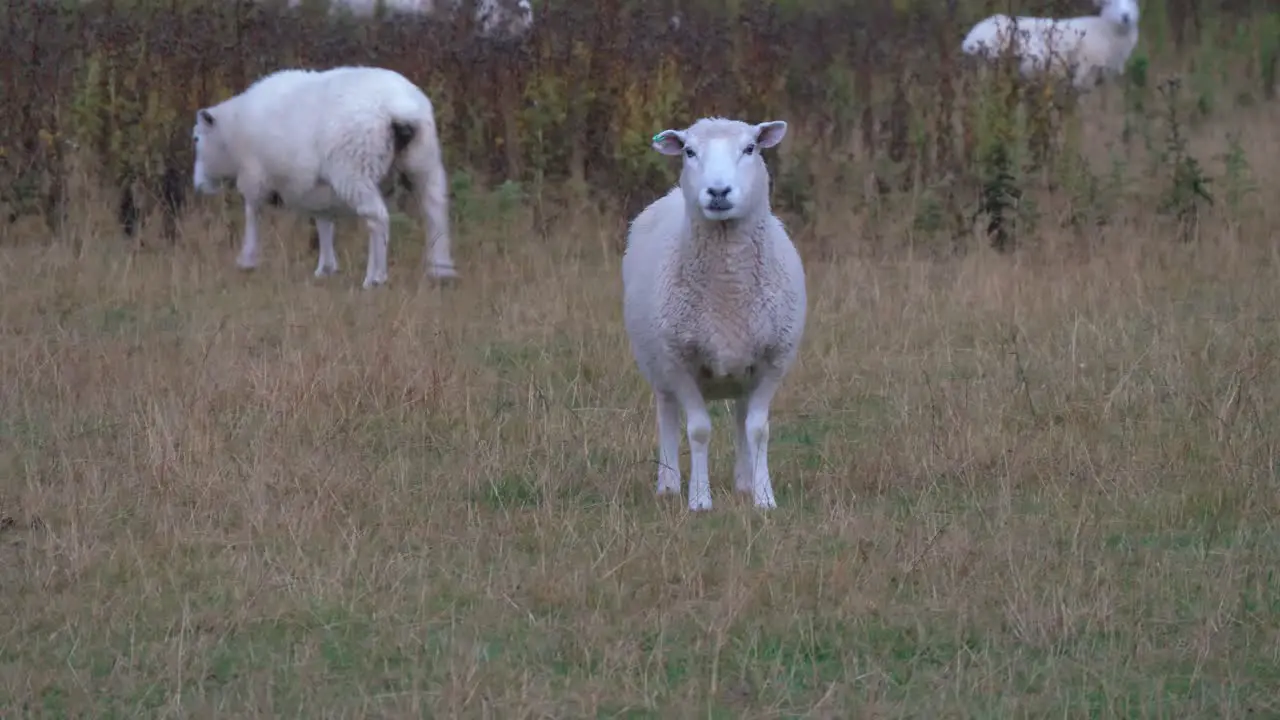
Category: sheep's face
[213,161]
[1121,13]
[504,18]
[724,175]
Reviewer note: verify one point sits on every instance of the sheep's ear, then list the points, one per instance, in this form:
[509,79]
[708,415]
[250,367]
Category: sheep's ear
[206,117]
[770,133]
[669,142]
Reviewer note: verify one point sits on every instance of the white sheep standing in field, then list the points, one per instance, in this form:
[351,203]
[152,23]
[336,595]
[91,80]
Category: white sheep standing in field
[1091,48]
[321,142]
[494,18]
[714,301]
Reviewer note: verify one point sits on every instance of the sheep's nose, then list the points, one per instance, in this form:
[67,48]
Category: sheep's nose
[719,193]
[1126,18]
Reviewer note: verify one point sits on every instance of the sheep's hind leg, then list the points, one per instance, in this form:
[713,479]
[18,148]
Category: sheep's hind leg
[328,264]
[248,258]
[753,451]
[743,470]
[668,444]
[423,165]
[432,188]
[366,200]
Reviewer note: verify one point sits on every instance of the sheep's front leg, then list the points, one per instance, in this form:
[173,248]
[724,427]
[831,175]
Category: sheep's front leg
[379,228]
[367,202]
[668,443]
[328,264]
[698,422]
[743,470]
[752,466]
[248,258]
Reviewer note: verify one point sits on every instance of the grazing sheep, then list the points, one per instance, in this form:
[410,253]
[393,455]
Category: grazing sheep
[321,142]
[714,301]
[494,18]
[1090,48]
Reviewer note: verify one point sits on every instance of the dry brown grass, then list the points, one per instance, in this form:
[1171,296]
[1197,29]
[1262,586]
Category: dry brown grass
[1035,485]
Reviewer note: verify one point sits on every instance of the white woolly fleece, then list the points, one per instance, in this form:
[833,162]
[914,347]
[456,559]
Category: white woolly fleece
[715,309]
[321,143]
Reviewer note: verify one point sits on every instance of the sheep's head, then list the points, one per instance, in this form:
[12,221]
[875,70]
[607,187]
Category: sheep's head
[214,165]
[724,176]
[504,19]
[1121,13]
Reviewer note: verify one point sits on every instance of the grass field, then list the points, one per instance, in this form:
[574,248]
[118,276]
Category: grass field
[1036,485]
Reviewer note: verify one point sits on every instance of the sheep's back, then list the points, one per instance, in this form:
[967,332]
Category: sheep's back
[1034,39]
[274,124]
[290,124]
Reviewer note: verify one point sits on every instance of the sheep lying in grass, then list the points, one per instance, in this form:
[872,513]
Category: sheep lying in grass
[1089,49]
[321,143]
[495,19]
[714,301]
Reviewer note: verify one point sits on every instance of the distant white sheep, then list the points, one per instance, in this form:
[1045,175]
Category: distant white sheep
[1090,48]
[714,301]
[321,142]
[493,18]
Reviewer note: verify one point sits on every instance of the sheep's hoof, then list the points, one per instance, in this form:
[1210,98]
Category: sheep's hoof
[326,272]
[246,264]
[699,502]
[444,275]
[371,283]
[668,482]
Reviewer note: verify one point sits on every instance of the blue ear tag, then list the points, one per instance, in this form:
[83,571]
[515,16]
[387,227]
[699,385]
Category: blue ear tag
[655,137]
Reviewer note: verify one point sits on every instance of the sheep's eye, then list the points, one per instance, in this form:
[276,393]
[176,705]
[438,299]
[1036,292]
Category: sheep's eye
[688,152]
[749,149]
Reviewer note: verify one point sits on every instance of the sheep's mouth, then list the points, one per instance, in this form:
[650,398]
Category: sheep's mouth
[719,205]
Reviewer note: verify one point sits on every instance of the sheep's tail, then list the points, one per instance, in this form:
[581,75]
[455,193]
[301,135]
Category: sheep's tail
[417,146]
[402,133]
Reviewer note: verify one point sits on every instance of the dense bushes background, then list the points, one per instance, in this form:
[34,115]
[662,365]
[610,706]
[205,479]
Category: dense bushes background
[114,84]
